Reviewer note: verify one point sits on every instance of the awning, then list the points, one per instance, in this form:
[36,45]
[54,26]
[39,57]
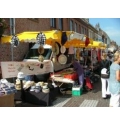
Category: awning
[73,38]
[78,44]
[96,44]
[75,35]
[51,36]
[111,49]
[31,36]
[76,40]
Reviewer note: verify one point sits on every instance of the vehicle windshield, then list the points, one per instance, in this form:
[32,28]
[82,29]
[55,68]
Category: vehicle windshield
[33,54]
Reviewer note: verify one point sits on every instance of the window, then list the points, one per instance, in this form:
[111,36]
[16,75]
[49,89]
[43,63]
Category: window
[75,27]
[91,34]
[80,28]
[71,25]
[60,23]
[103,38]
[99,38]
[53,22]
[85,31]
[34,19]
[33,54]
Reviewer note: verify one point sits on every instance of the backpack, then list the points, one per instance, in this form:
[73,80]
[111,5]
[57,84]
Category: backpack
[89,84]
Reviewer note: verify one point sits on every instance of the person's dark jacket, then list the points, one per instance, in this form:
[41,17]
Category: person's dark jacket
[104,64]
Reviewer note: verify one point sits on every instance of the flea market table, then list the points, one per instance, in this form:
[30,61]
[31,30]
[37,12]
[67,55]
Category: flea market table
[40,98]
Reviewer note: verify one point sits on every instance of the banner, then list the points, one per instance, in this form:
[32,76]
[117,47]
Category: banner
[11,69]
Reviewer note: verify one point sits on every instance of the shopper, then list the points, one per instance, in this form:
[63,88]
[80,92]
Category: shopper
[114,81]
[104,66]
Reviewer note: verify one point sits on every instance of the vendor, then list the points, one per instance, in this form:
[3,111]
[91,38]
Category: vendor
[78,68]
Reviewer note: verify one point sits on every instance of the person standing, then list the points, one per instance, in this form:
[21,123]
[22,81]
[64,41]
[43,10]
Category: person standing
[79,69]
[114,81]
[104,65]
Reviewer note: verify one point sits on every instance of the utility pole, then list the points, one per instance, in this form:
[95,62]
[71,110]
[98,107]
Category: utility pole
[12,32]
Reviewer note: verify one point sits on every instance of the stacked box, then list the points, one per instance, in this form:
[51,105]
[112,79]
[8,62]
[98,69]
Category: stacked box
[77,91]
[7,100]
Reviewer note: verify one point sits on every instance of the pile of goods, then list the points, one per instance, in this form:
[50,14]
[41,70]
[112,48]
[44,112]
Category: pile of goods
[62,59]
[6,87]
[36,87]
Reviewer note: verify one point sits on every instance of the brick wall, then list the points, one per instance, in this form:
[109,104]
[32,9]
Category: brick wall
[26,24]
[18,52]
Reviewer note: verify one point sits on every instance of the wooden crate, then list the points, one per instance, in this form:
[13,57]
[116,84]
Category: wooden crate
[7,100]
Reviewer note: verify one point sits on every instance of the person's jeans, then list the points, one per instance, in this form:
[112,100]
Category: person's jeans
[81,79]
[105,87]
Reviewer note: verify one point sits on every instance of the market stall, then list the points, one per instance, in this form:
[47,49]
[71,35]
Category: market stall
[30,91]
[11,69]
[41,66]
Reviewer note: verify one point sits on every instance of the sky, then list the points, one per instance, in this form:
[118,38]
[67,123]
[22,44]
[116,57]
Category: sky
[110,25]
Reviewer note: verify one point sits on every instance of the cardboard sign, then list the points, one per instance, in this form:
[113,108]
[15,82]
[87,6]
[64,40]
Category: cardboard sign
[11,69]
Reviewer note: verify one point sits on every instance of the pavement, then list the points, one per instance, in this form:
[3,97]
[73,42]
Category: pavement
[91,98]
[87,99]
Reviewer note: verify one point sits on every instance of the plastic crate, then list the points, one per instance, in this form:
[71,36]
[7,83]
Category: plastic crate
[77,91]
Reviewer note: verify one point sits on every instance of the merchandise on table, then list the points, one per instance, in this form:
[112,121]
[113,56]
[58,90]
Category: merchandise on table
[34,87]
[67,73]
[6,87]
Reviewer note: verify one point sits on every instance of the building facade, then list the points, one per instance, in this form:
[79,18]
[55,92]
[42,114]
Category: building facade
[102,35]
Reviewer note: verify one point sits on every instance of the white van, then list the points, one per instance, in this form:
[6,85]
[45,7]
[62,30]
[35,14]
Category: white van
[33,55]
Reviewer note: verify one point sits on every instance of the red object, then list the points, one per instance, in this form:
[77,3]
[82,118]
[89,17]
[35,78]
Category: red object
[99,55]
[73,76]
[88,83]
[87,41]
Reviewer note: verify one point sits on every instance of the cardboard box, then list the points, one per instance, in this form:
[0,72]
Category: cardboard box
[7,100]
